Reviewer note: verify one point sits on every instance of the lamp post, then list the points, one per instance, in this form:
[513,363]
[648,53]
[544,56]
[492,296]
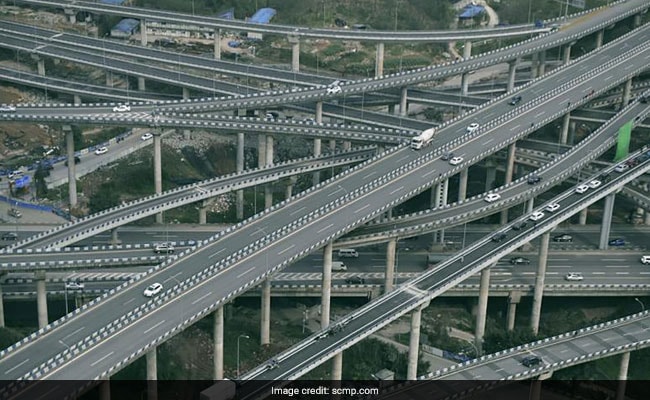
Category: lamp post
[239,337]
[641,303]
[65,291]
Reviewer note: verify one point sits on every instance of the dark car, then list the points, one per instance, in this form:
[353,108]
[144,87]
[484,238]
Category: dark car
[519,225]
[643,99]
[355,280]
[9,236]
[499,237]
[531,361]
[533,179]
[515,100]
[77,160]
[617,242]
[563,238]
[604,177]
[447,156]
[519,260]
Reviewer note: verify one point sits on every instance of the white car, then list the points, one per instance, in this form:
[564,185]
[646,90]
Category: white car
[101,150]
[594,184]
[581,189]
[163,248]
[472,127]
[621,168]
[456,160]
[536,216]
[573,276]
[74,285]
[153,289]
[492,197]
[147,136]
[334,90]
[645,260]
[7,109]
[552,207]
[122,108]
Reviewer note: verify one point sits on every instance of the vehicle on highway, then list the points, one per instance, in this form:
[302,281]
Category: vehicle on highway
[604,177]
[14,212]
[491,197]
[643,99]
[74,285]
[519,260]
[9,236]
[617,242]
[573,276]
[339,266]
[147,136]
[533,179]
[581,189]
[334,90]
[153,289]
[519,225]
[122,108]
[645,260]
[499,237]
[594,184]
[15,174]
[423,139]
[7,108]
[621,168]
[355,280]
[348,253]
[101,150]
[77,160]
[552,207]
[536,216]
[563,238]
[447,156]
[163,248]
[472,127]
[515,100]
[456,160]
[531,361]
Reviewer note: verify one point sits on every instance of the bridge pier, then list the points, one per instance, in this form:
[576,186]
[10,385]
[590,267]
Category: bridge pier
[217,44]
[105,390]
[141,84]
[564,133]
[203,212]
[143,32]
[347,145]
[481,314]
[72,176]
[317,152]
[462,184]
[109,78]
[326,286]
[541,68]
[186,93]
[157,168]
[539,284]
[627,91]
[265,325]
[582,217]
[41,298]
[464,83]
[289,191]
[115,239]
[566,55]
[512,70]
[606,224]
[332,145]
[535,389]
[490,174]
[295,52]
[240,167]
[439,199]
[534,62]
[3,276]
[268,188]
[513,299]
[152,374]
[379,60]
[389,276]
[599,38]
[637,20]
[261,150]
[414,343]
[40,65]
[403,104]
[218,344]
[530,204]
[510,167]
[72,15]
[76,99]
[622,376]
[337,366]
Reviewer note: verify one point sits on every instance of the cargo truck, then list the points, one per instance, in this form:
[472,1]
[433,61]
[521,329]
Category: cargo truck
[423,139]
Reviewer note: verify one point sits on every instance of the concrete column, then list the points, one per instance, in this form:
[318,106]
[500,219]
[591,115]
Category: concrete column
[539,284]
[462,184]
[319,112]
[295,52]
[379,60]
[481,315]
[186,93]
[157,168]
[512,70]
[152,374]
[564,133]
[292,182]
[627,90]
[582,217]
[265,331]
[337,367]
[268,195]
[105,390]
[347,145]
[240,167]
[637,20]
[269,150]
[513,300]
[467,50]
[317,152]
[530,204]
[510,167]
[403,105]
[143,32]
[572,133]
[3,276]
[203,212]
[599,38]
[76,99]
[109,78]
[566,56]
[141,84]
[391,246]
[622,376]
[490,175]
[535,390]
[40,64]
[115,239]
[606,225]
[326,286]
[534,62]
[261,150]
[72,15]
[218,344]
[646,219]
[72,176]
[332,145]
[414,343]
[464,83]
[41,299]
[217,44]
[541,68]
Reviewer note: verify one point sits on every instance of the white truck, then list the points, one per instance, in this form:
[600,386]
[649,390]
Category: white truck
[423,139]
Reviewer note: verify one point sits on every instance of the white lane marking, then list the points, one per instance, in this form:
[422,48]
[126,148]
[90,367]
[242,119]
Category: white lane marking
[622,273]
[368,175]
[630,66]
[245,272]
[17,366]
[561,266]
[287,249]
[74,333]
[539,114]
[326,228]
[215,253]
[397,190]
[613,259]
[608,78]
[298,210]
[564,351]
[559,259]
[335,192]
[644,273]
[429,173]
[403,158]
[154,326]
[598,273]
[362,208]
[201,298]
[172,277]
[515,127]
[617,266]
[128,301]
[484,143]
[102,359]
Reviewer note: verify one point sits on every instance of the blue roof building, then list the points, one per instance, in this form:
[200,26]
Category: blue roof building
[471,11]
[263,16]
[125,28]
[113,2]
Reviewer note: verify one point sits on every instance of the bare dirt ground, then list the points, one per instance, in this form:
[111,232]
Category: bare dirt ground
[19,138]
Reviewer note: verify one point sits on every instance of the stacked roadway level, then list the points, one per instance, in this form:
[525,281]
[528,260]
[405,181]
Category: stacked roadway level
[240,258]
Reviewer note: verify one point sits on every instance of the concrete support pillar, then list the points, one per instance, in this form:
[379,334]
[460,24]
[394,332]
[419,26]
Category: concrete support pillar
[268,195]
[481,315]
[467,49]
[627,91]
[157,168]
[637,20]
[414,343]
[76,99]
[646,219]
[566,56]
[141,84]
[606,225]
[152,374]
[464,83]
[203,212]
[347,145]
[72,15]
[530,204]
[218,344]
[510,168]
[390,265]
[240,167]
[109,78]
[513,300]
[2,307]
[582,217]
[622,376]
[379,60]
[317,152]
[217,44]
[403,105]
[265,325]
[539,284]
[269,150]
[295,52]
[72,176]
[143,32]
[332,145]
[105,390]
[186,93]
[40,64]
[490,175]
[535,390]
[541,68]
[41,299]
[292,182]
[512,70]
[439,199]
[261,150]
[564,133]
[268,189]
[462,184]
[534,62]
[337,367]
[115,238]
[599,38]
[326,286]
[319,112]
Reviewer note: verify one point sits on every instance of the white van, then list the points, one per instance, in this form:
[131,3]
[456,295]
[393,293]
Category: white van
[348,253]
[338,266]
